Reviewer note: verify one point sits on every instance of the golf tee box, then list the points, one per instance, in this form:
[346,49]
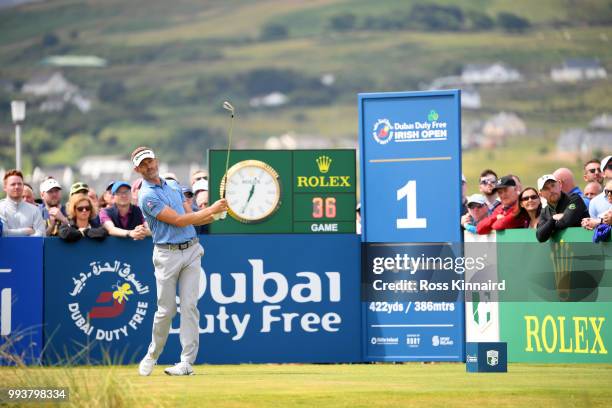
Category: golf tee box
[284,191]
[486,357]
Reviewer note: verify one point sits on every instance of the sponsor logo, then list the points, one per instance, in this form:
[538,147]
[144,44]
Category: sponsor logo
[385,341]
[471,359]
[492,357]
[572,206]
[553,334]
[119,307]
[437,341]
[433,116]
[413,340]
[382,131]
[323,163]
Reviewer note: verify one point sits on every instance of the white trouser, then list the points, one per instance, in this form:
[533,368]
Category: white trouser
[172,266]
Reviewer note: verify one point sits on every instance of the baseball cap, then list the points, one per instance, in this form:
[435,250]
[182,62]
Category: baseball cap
[110,185]
[169,176]
[118,184]
[49,184]
[604,163]
[542,180]
[141,155]
[476,198]
[185,189]
[199,186]
[506,181]
[79,186]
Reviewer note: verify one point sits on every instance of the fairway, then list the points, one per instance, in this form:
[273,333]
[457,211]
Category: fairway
[334,385]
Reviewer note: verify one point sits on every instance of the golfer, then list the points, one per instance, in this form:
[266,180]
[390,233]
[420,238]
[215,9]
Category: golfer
[176,257]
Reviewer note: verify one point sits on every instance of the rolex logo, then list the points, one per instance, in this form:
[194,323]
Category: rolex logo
[324,162]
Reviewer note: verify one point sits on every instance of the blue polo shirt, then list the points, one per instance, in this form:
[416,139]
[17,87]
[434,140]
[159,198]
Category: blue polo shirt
[152,199]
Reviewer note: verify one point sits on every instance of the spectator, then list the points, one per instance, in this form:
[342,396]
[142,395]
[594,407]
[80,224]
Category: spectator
[197,176]
[124,219]
[488,178]
[593,172]
[200,190]
[599,205]
[591,223]
[18,217]
[531,205]
[83,220]
[135,189]
[52,210]
[477,211]
[568,186]
[79,188]
[28,194]
[106,200]
[188,194]
[562,211]
[592,189]
[517,181]
[169,176]
[507,215]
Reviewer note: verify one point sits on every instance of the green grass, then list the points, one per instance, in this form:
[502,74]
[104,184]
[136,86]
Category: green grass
[361,385]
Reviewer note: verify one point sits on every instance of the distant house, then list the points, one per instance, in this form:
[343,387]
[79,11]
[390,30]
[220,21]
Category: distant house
[503,125]
[271,100]
[496,73]
[470,99]
[603,121]
[584,141]
[579,69]
[48,84]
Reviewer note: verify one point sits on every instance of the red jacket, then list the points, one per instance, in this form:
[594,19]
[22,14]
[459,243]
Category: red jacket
[503,218]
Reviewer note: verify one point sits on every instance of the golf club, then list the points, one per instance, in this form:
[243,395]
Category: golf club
[228,107]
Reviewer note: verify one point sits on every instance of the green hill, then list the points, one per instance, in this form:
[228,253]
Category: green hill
[171,64]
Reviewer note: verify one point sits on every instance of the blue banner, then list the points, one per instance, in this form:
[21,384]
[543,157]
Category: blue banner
[270,298]
[21,299]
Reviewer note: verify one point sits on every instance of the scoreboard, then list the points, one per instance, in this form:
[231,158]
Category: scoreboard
[285,191]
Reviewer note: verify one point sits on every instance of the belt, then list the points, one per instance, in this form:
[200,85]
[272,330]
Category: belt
[181,246]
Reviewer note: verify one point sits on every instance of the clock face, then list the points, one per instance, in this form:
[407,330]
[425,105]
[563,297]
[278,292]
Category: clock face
[252,190]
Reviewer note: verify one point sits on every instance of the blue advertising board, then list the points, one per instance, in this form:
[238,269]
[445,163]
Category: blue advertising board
[410,157]
[21,299]
[410,151]
[271,298]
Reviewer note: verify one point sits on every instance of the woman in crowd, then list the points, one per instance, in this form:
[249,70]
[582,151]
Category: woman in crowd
[83,221]
[531,205]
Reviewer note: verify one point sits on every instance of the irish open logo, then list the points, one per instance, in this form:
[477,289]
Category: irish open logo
[383,131]
[107,301]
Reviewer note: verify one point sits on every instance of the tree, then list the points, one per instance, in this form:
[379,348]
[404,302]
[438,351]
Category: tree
[111,91]
[343,22]
[274,31]
[512,23]
[480,21]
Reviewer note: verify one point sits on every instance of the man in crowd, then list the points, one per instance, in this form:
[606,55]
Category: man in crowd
[568,186]
[562,211]
[488,179]
[200,191]
[52,210]
[197,176]
[592,189]
[176,257]
[599,205]
[506,215]
[18,217]
[477,211]
[593,172]
[28,194]
[123,219]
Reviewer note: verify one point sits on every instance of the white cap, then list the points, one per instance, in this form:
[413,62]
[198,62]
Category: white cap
[199,186]
[169,176]
[48,184]
[604,163]
[542,180]
[476,198]
[140,156]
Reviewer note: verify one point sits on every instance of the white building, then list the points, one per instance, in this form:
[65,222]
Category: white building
[48,84]
[573,70]
[496,73]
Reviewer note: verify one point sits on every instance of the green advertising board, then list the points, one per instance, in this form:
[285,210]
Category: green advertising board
[285,191]
[558,303]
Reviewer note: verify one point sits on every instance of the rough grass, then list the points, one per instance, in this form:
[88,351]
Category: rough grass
[360,385]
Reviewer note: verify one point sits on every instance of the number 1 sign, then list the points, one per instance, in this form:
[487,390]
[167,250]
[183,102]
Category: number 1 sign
[410,152]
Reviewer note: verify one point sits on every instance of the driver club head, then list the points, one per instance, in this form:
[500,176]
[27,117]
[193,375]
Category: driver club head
[229,107]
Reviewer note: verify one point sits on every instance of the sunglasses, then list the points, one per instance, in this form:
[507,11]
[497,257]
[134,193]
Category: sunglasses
[473,205]
[200,178]
[531,197]
[488,181]
[83,209]
[188,195]
[594,170]
[607,192]
[609,166]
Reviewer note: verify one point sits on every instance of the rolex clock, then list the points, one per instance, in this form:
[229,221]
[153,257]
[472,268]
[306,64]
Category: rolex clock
[253,191]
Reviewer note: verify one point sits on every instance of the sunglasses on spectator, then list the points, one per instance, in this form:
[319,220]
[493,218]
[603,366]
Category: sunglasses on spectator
[607,192]
[595,170]
[530,197]
[609,166]
[488,181]
[200,178]
[83,209]
[188,195]
[475,205]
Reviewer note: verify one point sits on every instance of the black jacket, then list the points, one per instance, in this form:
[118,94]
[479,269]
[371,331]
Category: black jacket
[71,233]
[573,209]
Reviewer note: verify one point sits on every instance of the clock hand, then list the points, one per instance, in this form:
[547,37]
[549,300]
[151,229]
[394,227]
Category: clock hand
[249,199]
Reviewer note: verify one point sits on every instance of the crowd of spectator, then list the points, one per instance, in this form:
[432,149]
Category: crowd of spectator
[556,202]
[85,215]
